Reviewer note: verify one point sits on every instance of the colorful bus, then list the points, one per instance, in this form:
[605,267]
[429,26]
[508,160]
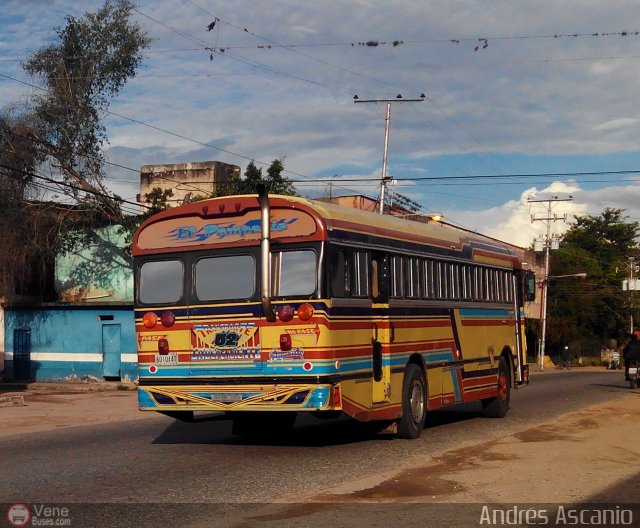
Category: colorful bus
[268,306]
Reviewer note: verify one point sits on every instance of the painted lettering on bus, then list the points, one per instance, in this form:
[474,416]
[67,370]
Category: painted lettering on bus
[225,229]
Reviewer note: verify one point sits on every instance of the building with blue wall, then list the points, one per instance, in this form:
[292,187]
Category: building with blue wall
[55,342]
[89,332]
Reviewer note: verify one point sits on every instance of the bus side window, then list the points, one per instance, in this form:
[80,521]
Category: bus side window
[375,285]
[340,275]
[361,274]
[379,276]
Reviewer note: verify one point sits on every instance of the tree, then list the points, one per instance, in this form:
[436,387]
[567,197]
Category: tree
[592,310]
[274,182]
[89,63]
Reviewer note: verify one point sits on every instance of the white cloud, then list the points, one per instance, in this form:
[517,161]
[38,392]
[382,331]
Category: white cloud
[616,123]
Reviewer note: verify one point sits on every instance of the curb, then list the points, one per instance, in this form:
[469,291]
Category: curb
[44,386]
[13,400]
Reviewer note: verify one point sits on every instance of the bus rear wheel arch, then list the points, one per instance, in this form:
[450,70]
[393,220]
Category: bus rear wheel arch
[414,402]
[498,406]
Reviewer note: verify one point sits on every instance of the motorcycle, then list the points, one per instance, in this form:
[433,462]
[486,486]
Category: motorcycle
[634,374]
[614,364]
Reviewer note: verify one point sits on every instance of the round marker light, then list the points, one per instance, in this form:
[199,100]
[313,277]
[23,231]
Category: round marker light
[149,319]
[305,311]
[167,319]
[285,313]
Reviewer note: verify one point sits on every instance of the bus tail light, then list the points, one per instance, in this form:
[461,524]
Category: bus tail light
[149,320]
[163,345]
[285,313]
[305,311]
[285,342]
[336,396]
[167,319]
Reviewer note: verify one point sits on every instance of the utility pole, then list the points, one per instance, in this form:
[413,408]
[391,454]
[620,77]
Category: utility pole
[547,243]
[631,285]
[387,121]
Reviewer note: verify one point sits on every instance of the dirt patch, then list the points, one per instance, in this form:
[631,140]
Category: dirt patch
[543,433]
[46,410]
[46,398]
[536,465]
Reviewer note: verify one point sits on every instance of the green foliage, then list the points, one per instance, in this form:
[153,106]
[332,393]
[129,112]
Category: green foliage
[159,200]
[591,311]
[86,66]
[274,182]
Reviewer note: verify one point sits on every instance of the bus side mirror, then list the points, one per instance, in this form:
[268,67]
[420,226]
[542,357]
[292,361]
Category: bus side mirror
[529,287]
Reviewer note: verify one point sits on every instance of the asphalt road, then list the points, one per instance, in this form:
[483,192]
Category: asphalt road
[163,461]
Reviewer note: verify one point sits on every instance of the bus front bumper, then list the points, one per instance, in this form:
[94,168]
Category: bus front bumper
[284,397]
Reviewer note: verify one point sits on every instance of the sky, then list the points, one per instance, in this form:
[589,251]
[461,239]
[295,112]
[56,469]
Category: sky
[524,101]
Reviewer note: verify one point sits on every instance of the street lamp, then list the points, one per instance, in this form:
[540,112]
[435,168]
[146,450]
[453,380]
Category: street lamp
[544,310]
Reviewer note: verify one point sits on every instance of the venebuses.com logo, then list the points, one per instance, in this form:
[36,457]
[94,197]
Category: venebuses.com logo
[38,515]
[18,515]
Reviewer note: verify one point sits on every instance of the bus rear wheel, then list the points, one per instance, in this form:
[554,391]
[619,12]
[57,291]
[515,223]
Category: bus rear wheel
[497,407]
[414,403]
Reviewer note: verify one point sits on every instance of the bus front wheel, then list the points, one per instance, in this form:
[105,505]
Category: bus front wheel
[497,407]
[414,403]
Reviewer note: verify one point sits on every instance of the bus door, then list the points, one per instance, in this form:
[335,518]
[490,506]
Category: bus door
[383,330]
[225,332]
[519,323]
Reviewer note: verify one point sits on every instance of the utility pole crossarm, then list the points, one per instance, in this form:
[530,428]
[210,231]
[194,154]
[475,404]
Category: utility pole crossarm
[387,121]
[547,219]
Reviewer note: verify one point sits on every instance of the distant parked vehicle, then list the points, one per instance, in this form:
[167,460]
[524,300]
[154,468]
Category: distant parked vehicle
[614,364]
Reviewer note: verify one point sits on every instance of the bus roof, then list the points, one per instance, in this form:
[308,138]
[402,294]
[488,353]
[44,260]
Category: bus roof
[235,221]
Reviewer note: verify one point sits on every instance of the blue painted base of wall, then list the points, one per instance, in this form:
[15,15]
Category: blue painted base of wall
[71,371]
[57,343]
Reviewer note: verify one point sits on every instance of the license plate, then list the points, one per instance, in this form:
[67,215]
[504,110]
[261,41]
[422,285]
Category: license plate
[226,397]
[167,359]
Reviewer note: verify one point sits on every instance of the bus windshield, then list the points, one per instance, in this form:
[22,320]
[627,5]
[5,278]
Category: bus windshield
[225,278]
[228,277]
[161,282]
[293,273]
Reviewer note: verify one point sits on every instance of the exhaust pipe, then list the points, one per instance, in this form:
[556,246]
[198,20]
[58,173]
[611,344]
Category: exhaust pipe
[265,254]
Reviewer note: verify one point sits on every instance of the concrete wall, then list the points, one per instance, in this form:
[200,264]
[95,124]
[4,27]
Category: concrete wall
[96,273]
[73,342]
[186,180]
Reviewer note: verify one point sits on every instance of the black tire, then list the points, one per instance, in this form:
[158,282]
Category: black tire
[633,383]
[414,403]
[497,407]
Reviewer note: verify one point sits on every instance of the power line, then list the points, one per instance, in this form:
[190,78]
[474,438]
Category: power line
[180,136]
[502,176]
[70,185]
[373,43]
